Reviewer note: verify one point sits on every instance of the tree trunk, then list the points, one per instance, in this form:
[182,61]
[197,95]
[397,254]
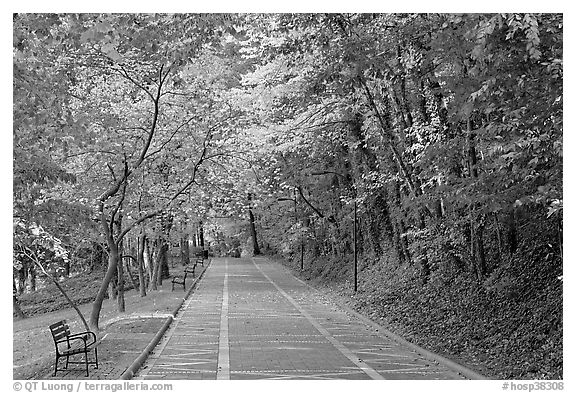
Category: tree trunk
[21,280]
[140,259]
[472,159]
[15,305]
[256,247]
[184,250]
[120,299]
[128,270]
[422,254]
[120,268]
[201,235]
[160,260]
[32,274]
[148,262]
[113,286]
[480,257]
[67,269]
[112,266]
[160,263]
[154,258]
[404,241]
[165,268]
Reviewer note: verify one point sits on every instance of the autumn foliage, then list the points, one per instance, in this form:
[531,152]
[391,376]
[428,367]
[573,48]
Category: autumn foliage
[443,132]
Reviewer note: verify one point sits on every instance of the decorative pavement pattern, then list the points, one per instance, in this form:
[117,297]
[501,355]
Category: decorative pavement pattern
[250,319]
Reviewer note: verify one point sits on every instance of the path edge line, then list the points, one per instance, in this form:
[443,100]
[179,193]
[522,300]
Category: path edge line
[223,360]
[139,361]
[382,331]
[343,349]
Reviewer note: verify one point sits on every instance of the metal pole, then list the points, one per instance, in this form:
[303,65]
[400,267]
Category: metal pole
[355,252]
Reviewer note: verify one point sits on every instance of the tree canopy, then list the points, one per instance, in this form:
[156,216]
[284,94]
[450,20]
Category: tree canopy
[441,132]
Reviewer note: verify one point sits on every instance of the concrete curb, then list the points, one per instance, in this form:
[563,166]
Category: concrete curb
[135,366]
[382,331]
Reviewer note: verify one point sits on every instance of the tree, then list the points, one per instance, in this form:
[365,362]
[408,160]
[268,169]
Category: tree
[416,115]
[122,97]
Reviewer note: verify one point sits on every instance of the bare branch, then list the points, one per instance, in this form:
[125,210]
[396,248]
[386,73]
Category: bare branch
[124,73]
[171,136]
[195,169]
[137,222]
[89,152]
[111,171]
[327,173]
[308,203]
[122,197]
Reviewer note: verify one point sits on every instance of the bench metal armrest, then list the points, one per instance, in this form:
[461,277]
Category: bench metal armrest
[84,336]
[71,345]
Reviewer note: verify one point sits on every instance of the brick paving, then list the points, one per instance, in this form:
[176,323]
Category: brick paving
[251,319]
[123,342]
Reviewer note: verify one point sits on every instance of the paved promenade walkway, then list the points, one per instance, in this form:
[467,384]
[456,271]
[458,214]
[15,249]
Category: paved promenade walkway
[251,319]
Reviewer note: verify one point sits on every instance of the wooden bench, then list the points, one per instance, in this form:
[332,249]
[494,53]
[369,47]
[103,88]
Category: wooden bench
[181,280]
[202,257]
[68,345]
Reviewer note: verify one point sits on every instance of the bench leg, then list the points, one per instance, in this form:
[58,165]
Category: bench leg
[56,366]
[96,356]
[86,358]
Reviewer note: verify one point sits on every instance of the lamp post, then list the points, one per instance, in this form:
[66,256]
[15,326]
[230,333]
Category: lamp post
[355,251]
[296,221]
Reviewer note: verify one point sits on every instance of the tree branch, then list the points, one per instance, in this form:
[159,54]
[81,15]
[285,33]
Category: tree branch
[196,166]
[137,222]
[124,73]
[122,197]
[171,137]
[308,203]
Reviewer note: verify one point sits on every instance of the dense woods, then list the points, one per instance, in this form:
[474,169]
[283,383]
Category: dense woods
[143,139]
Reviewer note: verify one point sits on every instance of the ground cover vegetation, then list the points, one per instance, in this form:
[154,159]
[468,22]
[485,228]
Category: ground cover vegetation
[438,136]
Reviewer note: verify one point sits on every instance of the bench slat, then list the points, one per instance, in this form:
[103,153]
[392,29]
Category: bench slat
[60,324]
[60,330]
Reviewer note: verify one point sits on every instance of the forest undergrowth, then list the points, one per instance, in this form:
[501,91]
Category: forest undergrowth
[507,327]
[80,288]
